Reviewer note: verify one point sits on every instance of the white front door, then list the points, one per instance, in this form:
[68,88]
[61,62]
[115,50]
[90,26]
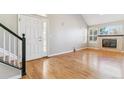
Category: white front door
[35,30]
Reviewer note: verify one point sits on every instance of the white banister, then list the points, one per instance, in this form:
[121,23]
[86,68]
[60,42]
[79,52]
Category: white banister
[9,48]
[4,45]
[14,51]
[8,53]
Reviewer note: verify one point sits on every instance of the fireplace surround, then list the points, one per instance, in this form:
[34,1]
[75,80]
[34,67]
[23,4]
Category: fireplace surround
[109,43]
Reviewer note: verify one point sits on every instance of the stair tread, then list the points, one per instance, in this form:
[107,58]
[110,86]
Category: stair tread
[7,72]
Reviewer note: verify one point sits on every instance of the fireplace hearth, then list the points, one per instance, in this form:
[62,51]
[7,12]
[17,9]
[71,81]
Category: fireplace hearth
[109,43]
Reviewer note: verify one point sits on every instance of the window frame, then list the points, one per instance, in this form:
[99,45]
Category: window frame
[93,35]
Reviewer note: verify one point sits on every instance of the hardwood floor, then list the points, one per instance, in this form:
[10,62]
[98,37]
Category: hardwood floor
[84,64]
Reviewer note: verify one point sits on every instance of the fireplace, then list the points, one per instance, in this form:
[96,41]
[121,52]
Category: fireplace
[109,43]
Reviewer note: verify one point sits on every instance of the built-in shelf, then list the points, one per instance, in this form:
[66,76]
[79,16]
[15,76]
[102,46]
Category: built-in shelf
[109,35]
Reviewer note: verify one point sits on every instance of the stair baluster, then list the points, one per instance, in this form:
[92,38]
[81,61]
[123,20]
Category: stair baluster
[14,57]
[9,49]
[4,46]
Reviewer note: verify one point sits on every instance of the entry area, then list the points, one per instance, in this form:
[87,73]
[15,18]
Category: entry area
[35,29]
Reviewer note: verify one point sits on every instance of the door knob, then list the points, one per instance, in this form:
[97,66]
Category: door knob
[40,38]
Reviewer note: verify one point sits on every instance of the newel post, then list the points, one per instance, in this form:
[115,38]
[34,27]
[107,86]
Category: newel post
[23,55]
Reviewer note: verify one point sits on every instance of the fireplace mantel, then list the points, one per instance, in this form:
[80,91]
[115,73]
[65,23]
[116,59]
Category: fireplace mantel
[110,35]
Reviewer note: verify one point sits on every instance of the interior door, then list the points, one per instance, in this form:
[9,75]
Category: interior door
[33,28]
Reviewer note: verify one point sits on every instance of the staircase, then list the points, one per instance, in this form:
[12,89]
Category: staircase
[12,54]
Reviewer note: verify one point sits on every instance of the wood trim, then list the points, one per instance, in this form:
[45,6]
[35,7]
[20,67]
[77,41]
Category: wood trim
[60,53]
[103,49]
[37,59]
[109,35]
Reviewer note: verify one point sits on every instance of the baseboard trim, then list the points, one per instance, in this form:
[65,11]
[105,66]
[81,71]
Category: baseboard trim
[102,49]
[92,48]
[16,77]
[111,50]
[65,52]
[56,54]
[81,49]
[36,58]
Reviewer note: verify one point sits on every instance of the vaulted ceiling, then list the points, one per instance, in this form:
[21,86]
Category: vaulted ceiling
[94,19]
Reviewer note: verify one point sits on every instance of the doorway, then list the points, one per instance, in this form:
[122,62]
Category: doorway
[35,29]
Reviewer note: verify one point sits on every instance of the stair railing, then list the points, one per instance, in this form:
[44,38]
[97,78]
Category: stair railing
[23,40]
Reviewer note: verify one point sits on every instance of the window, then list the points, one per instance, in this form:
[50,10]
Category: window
[104,31]
[93,34]
[84,35]
[110,30]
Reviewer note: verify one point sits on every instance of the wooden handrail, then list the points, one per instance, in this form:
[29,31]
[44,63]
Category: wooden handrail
[10,31]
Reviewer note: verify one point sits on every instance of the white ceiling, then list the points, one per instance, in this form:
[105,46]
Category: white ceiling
[94,19]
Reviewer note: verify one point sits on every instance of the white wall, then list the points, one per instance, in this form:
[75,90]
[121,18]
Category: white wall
[10,20]
[66,32]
